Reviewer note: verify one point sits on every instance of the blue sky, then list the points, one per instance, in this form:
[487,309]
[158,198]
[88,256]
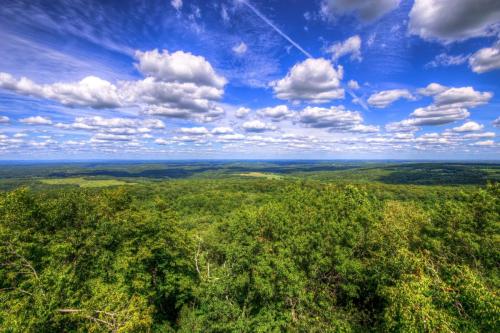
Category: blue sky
[186,79]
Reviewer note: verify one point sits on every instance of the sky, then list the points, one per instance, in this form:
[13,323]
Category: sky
[249,79]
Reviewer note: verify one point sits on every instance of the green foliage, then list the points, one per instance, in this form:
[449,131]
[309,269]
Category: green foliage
[250,255]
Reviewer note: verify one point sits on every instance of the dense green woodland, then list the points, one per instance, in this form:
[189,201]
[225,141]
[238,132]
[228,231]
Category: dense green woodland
[250,255]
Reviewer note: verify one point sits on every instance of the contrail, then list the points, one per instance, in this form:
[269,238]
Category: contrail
[271,24]
[307,54]
[356,98]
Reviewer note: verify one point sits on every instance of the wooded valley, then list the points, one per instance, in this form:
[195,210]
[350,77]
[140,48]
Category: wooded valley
[250,254]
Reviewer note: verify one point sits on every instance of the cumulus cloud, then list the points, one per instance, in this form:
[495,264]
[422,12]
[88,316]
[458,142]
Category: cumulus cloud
[484,143]
[485,135]
[351,46]
[257,126]
[99,122]
[240,49]
[113,126]
[451,21]
[222,130]
[433,139]
[242,112]
[437,115]
[364,129]
[109,128]
[179,100]
[4,119]
[385,98]
[366,10]
[470,126]
[230,137]
[161,141]
[91,91]
[110,137]
[486,59]
[36,120]
[496,122]
[432,89]
[403,126]
[194,130]
[278,112]
[176,85]
[179,85]
[313,79]
[449,104]
[180,67]
[336,118]
[463,97]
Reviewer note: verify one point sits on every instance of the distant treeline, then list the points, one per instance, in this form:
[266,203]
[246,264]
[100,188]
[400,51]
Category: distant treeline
[352,172]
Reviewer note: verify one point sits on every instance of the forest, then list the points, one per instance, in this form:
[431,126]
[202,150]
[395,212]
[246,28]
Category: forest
[250,247]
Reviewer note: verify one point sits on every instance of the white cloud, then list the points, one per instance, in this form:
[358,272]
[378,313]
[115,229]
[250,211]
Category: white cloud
[240,49]
[437,115]
[351,46]
[485,135]
[385,98]
[231,137]
[194,130]
[73,143]
[364,129]
[91,91]
[179,67]
[486,59]
[450,104]
[257,126]
[98,121]
[36,120]
[463,97]
[354,85]
[335,118]
[366,10]
[496,122]
[432,89]
[445,60]
[161,141]
[109,137]
[222,130]
[451,21]
[313,79]
[4,119]
[403,126]
[433,139]
[115,126]
[173,99]
[484,143]
[212,112]
[41,144]
[177,4]
[278,112]
[242,112]
[177,85]
[469,126]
